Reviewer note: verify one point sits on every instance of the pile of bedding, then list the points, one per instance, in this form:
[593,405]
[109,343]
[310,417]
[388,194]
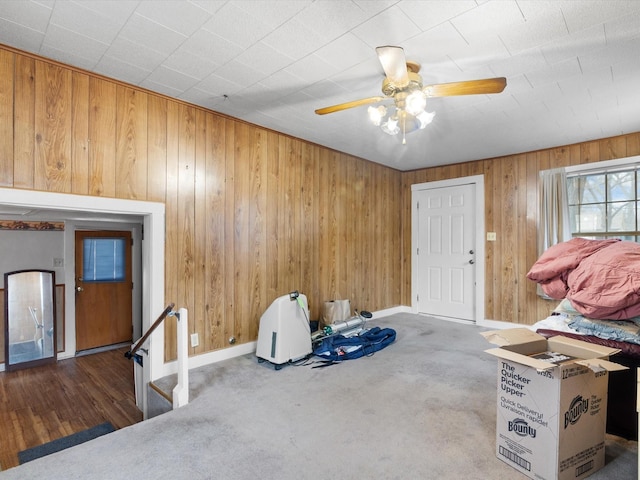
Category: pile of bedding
[566,319]
[598,283]
[600,278]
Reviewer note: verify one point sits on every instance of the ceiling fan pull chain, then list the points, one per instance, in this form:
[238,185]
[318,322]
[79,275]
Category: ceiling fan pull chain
[404,129]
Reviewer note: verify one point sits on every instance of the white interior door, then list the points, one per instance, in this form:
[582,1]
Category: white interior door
[446,251]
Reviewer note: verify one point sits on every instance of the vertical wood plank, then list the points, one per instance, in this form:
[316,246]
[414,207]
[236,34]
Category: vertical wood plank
[531,228]
[590,152]
[242,243]
[157,149]
[255,288]
[559,157]
[382,272]
[614,147]
[340,212]
[633,144]
[343,224]
[216,249]
[53,128]
[295,162]
[284,218]
[521,311]
[394,279]
[310,187]
[197,323]
[7,123]
[80,134]
[172,249]
[131,144]
[359,285]
[492,248]
[186,208]
[272,227]
[327,270]
[507,232]
[375,230]
[230,230]
[102,137]
[407,180]
[24,122]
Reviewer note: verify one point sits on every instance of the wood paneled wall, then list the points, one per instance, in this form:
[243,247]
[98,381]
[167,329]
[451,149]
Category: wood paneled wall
[511,210]
[251,214]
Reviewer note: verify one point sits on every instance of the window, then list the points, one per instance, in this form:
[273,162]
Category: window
[605,203]
[103,260]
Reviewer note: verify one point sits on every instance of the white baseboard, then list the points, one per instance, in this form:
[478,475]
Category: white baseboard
[496,324]
[211,357]
[247,348]
[448,319]
[390,311]
[499,325]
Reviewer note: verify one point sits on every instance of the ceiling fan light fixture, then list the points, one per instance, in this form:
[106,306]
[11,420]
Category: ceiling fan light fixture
[390,127]
[425,118]
[403,85]
[416,101]
[376,114]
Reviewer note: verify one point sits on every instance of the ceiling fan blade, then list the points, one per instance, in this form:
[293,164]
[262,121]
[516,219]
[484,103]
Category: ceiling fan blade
[470,87]
[354,103]
[394,64]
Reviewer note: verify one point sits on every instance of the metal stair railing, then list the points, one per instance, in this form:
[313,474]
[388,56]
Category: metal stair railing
[131,354]
[181,390]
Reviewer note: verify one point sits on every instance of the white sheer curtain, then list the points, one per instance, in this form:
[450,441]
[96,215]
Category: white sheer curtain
[554,209]
[553,226]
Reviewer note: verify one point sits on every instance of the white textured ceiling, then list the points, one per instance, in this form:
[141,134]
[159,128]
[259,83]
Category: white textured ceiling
[572,66]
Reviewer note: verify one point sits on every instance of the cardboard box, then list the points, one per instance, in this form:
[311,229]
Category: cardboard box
[551,403]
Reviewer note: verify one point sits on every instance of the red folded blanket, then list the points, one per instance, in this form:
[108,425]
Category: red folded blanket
[601,278]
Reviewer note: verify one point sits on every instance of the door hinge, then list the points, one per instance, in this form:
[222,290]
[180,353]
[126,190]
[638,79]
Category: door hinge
[418,251]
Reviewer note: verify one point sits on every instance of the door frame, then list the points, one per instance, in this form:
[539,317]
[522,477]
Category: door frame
[153,243]
[478,181]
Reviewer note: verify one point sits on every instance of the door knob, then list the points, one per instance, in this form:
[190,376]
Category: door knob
[79,289]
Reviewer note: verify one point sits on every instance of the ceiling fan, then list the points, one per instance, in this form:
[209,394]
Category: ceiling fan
[403,85]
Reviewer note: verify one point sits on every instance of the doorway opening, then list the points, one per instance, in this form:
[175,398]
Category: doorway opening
[86,209]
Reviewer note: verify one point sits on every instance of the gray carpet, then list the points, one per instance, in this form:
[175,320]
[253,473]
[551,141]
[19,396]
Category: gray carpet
[423,408]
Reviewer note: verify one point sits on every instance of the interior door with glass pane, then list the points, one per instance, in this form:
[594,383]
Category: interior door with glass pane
[103,288]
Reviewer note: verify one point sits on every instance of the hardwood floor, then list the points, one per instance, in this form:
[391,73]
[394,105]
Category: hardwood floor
[44,403]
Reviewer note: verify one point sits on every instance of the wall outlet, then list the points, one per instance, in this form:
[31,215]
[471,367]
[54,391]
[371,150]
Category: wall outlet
[58,262]
[491,236]
[195,341]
